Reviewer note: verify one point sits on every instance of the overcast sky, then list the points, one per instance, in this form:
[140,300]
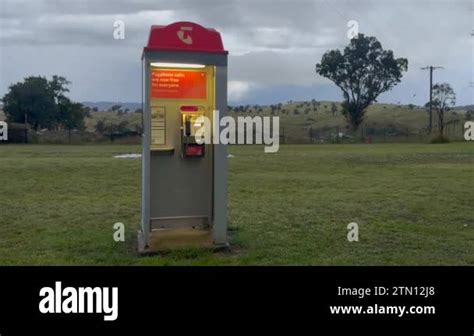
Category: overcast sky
[273,45]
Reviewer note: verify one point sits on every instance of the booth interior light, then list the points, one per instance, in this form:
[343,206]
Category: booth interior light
[177,65]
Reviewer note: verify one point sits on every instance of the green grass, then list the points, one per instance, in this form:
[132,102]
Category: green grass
[413,204]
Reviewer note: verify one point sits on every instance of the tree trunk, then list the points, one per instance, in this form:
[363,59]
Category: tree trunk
[441,122]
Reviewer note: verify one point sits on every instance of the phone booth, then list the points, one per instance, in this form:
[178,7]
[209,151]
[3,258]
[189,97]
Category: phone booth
[184,182]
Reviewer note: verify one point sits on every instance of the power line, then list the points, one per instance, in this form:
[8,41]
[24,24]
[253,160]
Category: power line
[336,10]
[369,23]
[431,68]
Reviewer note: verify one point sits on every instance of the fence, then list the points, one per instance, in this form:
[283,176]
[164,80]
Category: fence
[289,134]
[310,135]
[16,135]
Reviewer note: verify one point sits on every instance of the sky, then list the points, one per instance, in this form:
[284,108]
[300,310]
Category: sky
[273,45]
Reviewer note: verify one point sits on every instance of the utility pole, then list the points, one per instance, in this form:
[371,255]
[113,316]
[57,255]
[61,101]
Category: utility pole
[431,68]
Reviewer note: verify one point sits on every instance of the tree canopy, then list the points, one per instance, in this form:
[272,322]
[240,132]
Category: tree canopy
[42,103]
[362,71]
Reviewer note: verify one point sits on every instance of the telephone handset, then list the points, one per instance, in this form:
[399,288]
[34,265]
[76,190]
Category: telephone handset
[189,146]
[187,126]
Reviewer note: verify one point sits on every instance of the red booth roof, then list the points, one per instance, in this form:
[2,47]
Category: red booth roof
[185,37]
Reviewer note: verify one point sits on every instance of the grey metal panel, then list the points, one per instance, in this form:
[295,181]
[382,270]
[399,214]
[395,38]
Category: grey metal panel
[180,222]
[219,230]
[188,57]
[146,140]
[180,187]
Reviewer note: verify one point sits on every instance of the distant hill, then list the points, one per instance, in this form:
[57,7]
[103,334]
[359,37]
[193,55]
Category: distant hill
[464,108]
[302,120]
[320,120]
[105,106]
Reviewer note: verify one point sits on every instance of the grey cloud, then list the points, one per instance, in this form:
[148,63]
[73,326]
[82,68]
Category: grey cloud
[271,43]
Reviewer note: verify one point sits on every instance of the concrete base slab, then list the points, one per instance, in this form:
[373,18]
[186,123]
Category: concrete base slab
[164,240]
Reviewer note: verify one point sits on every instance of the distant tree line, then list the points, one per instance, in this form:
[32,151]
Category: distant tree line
[43,104]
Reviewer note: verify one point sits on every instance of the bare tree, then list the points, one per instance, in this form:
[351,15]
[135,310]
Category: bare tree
[443,99]
[333,109]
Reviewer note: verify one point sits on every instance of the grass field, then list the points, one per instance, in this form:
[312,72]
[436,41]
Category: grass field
[414,205]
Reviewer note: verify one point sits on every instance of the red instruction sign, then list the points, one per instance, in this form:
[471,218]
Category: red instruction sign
[178,84]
